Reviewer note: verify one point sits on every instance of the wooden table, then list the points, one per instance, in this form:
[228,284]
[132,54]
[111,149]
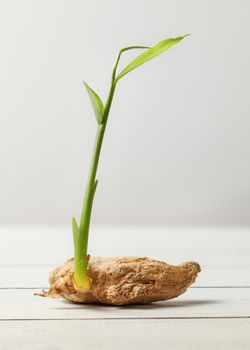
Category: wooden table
[213,314]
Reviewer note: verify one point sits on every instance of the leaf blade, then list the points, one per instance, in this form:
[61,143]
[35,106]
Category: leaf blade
[96,103]
[75,229]
[150,54]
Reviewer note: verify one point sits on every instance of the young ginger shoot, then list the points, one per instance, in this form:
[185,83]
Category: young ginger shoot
[101,111]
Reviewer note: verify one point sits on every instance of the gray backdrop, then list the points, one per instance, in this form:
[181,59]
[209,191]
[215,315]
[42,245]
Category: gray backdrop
[177,144]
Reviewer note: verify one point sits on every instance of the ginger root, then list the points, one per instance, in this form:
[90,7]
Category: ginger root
[123,280]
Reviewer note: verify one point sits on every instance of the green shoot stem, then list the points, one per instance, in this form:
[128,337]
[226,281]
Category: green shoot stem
[81,242]
[81,236]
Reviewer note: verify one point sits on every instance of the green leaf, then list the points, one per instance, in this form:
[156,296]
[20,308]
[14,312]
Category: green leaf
[150,54]
[76,231]
[96,103]
[121,52]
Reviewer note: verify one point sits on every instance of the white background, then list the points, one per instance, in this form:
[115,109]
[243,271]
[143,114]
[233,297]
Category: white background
[177,144]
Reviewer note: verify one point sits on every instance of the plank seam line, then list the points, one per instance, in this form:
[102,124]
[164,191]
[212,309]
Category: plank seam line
[127,318]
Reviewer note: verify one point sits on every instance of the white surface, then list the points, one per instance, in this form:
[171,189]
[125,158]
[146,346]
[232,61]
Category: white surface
[223,253]
[213,314]
[177,145]
[214,246]
[219,334]
[19,304]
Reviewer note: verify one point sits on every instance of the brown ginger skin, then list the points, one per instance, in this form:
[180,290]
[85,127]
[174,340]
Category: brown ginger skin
[124,280]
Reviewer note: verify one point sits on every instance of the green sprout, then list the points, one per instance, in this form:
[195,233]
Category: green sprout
[101,111]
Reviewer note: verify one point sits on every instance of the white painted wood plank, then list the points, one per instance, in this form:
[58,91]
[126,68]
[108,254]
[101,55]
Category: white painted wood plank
[24,277]
[197,302]
[37,276]
[233,334]
[52,245]
[224,253]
